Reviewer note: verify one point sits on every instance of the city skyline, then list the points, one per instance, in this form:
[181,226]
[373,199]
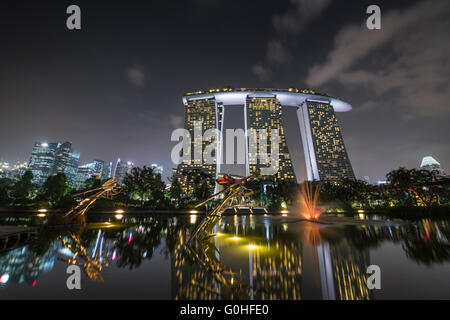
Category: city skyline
[131,89]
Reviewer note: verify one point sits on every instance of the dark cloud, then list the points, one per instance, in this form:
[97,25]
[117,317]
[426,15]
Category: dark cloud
[136,76]
[261,72]
[277,53]
[288,26]
[398,79]
[301,13]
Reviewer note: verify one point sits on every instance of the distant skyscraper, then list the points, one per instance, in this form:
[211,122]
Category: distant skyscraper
[128,166]
[85,172]
[52,158]
[42,161]
[67,160]
[157,168]
[122,168]
[107,171]
[98,168]
[430,164]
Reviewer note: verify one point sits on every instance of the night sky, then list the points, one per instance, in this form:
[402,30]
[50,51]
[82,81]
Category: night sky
[114,87]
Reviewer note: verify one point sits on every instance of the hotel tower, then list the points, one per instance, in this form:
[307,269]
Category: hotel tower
[325,154]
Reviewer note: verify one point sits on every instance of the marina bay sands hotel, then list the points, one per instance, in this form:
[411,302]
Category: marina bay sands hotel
[325,154]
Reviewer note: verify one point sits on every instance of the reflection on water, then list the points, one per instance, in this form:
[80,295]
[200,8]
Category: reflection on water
[251,257]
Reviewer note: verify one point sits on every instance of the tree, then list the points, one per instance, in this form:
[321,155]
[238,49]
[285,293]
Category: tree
[144,186]
[414,184]
[24,190]
[283,191]
[55,188]
[4,192]
[92,183]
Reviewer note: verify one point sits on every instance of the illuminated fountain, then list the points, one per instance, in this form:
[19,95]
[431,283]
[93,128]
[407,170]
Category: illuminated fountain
[308,201]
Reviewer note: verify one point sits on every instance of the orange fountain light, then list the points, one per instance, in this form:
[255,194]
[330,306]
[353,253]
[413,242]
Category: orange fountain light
[309,199]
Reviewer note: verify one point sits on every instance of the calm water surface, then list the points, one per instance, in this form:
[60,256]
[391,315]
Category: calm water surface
[251,257]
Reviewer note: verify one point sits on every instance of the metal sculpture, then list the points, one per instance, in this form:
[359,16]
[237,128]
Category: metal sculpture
[109,189]
[235,190]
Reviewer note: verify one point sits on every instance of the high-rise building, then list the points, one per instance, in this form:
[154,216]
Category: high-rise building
[67,160]
[107,171]
[323,142]
[264,112]
[42,161]
[84,173]
[205,114]
[122,168]
[326,157]
[157,168]
[98,168]
[52,158]
[430,164]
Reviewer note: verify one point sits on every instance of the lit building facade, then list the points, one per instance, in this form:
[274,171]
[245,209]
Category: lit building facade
[327,158]
[430,164]
[53,158]
[67,160]
[98,168]
[84,173]
[200,115]
[264,112]
[107,171]
[325,153]
[42,161]
[122,168]
[157,168]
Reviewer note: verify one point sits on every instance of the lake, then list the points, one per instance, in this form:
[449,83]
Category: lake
[250,257]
